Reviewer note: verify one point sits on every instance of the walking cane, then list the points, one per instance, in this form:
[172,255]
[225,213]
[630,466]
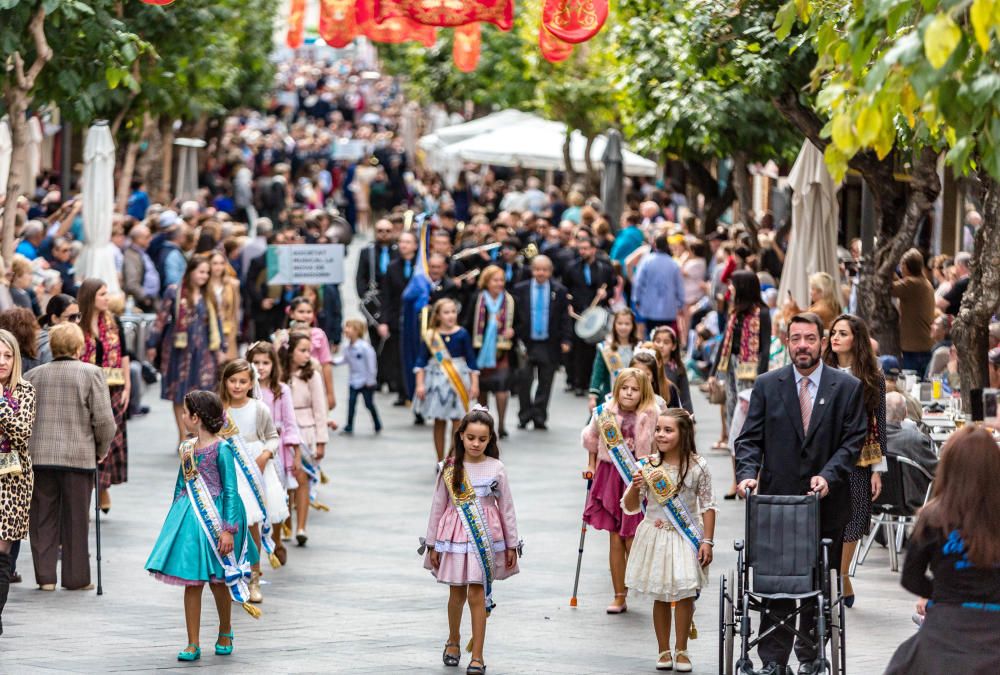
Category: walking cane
[589,475]
[97,520]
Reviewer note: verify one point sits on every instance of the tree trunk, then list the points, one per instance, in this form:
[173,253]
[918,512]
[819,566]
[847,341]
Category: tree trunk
[878,270]
[715,204]
[743,186]
[167,159]
[568,159]
[971,331]
[593,177]
[17,97]
[125,179]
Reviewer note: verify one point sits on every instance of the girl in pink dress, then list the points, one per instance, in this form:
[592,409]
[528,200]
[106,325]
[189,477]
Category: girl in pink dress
[451,558]
[634,407]
[302,317]
[278,397]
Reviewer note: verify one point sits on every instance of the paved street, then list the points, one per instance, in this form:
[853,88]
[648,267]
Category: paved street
[357,599]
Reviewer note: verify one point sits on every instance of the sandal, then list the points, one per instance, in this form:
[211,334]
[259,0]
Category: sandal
[683,667]
[190,656]
[618,609]
[451,660]
[225,650]
[476,670]
[665,661]
[721,445]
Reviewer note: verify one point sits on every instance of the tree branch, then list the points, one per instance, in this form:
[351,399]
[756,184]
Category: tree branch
[43,53]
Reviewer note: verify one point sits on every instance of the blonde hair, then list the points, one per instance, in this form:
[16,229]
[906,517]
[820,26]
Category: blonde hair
[65,339]
[433,320]
[646,399]
[486,276]
[358,325]
[827,288]
[19,265]
[7,338]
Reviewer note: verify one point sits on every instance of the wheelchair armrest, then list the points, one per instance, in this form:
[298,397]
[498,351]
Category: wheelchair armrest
[826,542]
[738,545]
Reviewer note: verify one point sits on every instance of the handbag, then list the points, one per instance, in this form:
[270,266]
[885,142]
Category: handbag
[716,392]
[10,463]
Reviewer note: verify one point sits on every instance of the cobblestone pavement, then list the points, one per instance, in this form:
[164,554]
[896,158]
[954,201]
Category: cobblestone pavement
[356,599]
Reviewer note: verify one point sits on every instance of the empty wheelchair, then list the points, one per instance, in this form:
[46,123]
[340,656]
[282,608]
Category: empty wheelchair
[783,559]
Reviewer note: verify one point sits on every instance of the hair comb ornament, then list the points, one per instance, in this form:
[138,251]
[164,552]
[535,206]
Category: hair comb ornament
[645,350]
[479,408]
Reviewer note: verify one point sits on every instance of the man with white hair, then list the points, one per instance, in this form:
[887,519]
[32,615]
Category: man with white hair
[31,239]
[951,302]
[906,440]
[189,211]
[536,200]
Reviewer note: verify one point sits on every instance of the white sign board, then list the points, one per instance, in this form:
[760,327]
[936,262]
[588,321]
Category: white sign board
[305,264]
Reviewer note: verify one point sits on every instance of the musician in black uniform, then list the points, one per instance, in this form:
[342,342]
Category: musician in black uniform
[373,266]
[514,272]
[590,280]
[391,295]
[441,285]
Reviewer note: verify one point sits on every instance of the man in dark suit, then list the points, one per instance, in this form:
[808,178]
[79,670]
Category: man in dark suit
[390,326]
[513,271]
[373,267]
[588,279]
[802,435]
[542,325]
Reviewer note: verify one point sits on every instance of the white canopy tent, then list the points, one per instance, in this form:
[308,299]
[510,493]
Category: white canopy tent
[434,144]
[537,144]
[815,214]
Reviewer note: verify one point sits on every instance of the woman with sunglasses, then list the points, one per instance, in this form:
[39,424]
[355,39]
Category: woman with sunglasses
[61,308]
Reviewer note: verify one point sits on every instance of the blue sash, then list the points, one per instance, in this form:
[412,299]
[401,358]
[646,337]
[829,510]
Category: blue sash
[621,456]
[665,493]
[251,472]
[473,517]
[315,475]
[236,571]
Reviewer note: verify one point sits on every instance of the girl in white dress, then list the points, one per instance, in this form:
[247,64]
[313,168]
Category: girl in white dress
[253,422]
[663,562]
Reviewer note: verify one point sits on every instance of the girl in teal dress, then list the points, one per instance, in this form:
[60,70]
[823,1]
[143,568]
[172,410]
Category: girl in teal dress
[182,554]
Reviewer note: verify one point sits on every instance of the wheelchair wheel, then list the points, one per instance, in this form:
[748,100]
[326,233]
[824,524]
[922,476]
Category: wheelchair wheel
[726,623]
[837,664]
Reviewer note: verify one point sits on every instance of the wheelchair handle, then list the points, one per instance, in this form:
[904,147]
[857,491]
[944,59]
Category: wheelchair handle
[738,545]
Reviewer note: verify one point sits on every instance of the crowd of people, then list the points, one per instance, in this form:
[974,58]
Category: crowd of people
[485,285]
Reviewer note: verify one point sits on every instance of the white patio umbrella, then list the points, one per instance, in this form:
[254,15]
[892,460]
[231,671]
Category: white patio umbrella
[97,259]
[815,214]
[187,167]
[32,156]
[6,151]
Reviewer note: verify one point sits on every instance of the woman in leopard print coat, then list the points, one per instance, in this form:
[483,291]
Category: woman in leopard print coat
[17,416]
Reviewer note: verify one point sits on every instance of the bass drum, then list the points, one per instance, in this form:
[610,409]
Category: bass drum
[593,325]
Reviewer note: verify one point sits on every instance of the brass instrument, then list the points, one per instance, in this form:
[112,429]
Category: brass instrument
[408,220]
[476,250]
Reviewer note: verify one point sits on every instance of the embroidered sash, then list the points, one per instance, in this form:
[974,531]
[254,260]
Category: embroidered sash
[749,347]
[614,361]
[247,466]
[665,492]
[315,475]
[237,570]
[435,343]
[504,317]
[621,456]
[473,517]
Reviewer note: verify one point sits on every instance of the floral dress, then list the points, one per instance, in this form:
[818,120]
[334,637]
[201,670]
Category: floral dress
[189,346]
[105,351]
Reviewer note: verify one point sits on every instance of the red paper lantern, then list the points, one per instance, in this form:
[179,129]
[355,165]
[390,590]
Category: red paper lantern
[296,23]
[337,24]
[574,21]
[394,30]
[448,13]
[158,3]
[466,47]
[553,49]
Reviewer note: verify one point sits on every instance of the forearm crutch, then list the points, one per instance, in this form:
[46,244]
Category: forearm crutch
[97,522]
[589,475]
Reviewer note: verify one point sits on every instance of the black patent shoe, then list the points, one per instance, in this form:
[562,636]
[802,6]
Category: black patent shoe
[451,660]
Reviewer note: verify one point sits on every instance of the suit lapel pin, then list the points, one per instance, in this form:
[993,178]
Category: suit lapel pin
[822,401]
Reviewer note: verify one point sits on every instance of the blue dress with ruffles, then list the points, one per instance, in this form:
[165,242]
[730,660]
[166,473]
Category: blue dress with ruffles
[182,555]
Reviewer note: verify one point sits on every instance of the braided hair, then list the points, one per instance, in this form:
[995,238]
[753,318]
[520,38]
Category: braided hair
[207,407]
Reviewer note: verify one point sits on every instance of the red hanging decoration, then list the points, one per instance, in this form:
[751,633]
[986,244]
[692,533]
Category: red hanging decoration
[448,13]
[296,24]
[337,24]
[392,31]
[574,21]
[158,3]
[466,47]
[553,49]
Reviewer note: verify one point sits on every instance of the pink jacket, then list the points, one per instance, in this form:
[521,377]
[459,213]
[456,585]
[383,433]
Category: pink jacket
[309,400]
[283,414]
[641,444]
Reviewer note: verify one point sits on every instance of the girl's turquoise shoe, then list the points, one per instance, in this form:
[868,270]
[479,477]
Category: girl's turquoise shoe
[190,656]
[228,649]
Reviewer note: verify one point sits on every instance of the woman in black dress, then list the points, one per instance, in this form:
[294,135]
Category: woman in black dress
[850,349]
[957,540]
